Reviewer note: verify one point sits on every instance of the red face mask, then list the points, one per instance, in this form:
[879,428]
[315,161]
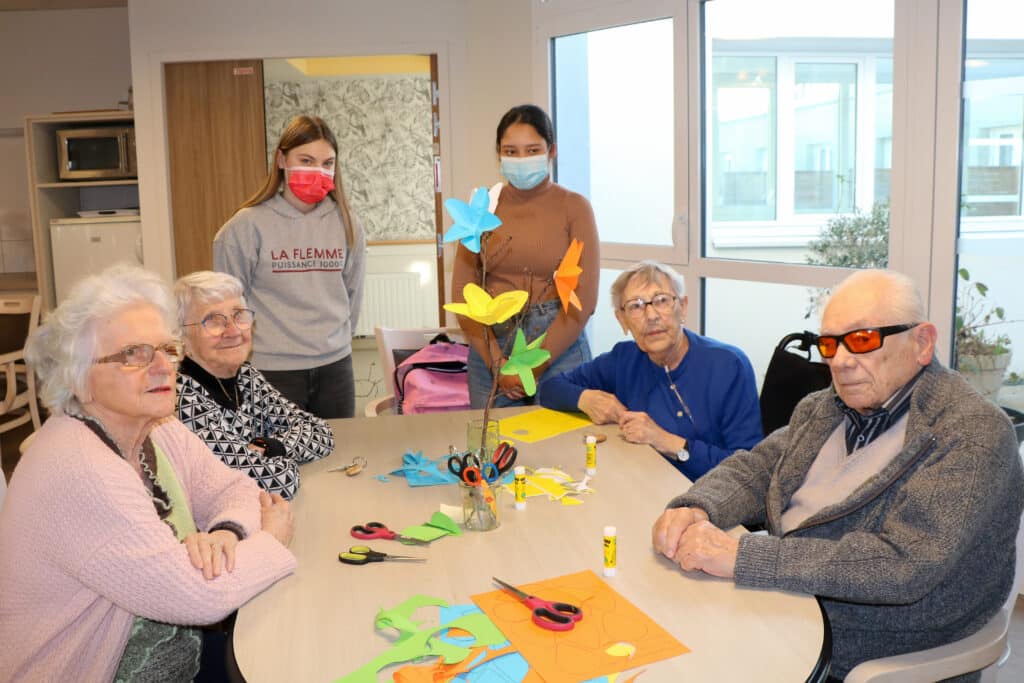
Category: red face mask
[310,185]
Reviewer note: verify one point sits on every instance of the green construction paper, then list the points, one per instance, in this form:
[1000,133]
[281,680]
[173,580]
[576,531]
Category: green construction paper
[524,358]
[439,525]
[400,616]
[424,643]
[424,532]
[480,626]
[443,521]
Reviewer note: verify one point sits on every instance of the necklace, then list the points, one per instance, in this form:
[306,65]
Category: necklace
[226,394]
[685,408]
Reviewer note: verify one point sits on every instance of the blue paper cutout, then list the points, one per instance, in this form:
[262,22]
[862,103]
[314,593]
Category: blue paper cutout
[471,220]
[422,471]
[383,478]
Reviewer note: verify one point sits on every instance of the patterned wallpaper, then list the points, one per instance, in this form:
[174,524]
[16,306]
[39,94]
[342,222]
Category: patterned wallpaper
[383,129]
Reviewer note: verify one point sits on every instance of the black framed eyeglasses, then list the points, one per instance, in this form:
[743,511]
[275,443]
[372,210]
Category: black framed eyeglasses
[864,340]
[217,323]
[141,355]
[663,303]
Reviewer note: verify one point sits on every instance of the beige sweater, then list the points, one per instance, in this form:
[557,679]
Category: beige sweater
[537,227]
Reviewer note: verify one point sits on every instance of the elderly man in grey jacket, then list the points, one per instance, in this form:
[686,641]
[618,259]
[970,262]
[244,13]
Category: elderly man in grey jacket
[894,496]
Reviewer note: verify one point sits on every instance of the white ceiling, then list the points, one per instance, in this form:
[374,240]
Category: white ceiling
[18,5]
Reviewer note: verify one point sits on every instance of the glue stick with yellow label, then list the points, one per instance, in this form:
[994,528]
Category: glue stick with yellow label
[520,487]
[591,455]
[610,551]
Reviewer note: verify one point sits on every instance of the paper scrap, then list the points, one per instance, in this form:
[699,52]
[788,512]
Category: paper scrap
[577,654]
[621,650]
[414,644]
[456,512]
[439,525]
[537,425]
[419,470]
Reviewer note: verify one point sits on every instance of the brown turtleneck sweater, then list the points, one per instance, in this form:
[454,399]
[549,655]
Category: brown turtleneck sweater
[524,252]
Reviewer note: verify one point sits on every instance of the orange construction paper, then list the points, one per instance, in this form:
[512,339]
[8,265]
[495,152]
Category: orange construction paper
[567,277]
[579,654]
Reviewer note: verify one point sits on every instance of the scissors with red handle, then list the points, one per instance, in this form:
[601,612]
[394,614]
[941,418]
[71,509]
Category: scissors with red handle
[372,530]
[554,616]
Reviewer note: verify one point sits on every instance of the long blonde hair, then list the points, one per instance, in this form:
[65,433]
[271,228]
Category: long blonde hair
[302,130]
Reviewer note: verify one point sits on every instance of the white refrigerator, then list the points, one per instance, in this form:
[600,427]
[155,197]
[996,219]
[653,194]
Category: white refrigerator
[83,246]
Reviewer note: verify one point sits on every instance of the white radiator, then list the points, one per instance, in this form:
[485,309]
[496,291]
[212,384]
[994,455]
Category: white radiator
[392,300]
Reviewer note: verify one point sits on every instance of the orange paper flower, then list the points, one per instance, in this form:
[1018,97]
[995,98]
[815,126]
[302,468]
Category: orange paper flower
[567,277]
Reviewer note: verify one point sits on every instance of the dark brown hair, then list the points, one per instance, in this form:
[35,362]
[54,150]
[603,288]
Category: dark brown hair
[529,114]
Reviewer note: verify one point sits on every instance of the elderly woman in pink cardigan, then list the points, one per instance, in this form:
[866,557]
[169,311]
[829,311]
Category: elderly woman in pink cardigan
[121,531]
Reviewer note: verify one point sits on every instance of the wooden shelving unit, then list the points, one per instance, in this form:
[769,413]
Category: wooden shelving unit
[51,198]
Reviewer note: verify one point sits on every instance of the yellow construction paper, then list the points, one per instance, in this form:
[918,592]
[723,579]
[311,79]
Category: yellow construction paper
[540,424]
[578,654]
[571,500]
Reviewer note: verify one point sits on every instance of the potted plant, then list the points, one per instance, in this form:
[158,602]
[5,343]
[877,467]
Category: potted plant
[982,355]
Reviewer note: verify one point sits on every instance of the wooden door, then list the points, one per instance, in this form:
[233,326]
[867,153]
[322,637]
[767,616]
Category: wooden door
[217,142]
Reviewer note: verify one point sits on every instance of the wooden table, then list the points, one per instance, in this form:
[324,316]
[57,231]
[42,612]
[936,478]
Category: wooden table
[317,625]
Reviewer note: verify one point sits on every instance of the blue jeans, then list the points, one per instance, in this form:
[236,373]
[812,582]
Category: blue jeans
[536,322]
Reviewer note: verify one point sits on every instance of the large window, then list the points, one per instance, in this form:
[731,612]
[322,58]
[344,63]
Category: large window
[614,127]
[990,247]
[799,122]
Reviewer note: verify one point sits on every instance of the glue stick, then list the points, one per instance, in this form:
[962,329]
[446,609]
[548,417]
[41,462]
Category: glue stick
[520,487]
[591,455]
[609,551]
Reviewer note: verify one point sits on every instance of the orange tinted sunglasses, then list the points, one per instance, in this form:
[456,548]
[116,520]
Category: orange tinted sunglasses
[863,340]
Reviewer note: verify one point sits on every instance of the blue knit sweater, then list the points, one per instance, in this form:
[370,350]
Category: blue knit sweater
[714,379]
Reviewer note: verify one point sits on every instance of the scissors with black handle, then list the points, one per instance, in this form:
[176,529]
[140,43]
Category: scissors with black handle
[469,469]
[553,616]
[372,530]
[505,457]
[361,554]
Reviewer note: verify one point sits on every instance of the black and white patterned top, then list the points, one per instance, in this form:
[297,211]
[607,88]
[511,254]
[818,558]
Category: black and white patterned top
[229,414]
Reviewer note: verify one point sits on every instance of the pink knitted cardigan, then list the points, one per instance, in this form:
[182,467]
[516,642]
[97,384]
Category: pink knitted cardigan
[82,552]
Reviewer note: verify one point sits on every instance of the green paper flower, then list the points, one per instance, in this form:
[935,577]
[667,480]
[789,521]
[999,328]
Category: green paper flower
[524,358]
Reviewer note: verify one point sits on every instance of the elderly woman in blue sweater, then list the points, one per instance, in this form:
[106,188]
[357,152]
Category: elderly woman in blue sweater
[692,398]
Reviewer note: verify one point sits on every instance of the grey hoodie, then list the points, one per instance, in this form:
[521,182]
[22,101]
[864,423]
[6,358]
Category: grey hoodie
[920,555]
[304,284]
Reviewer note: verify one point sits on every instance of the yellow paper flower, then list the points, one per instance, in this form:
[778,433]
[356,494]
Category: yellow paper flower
[487,310]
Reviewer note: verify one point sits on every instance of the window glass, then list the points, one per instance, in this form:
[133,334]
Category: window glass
[989,321]
[743,138]
[824,118]
[614,128]
[798,129]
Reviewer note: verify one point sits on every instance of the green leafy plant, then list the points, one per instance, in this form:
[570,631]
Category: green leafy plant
[975,314]
[857,240]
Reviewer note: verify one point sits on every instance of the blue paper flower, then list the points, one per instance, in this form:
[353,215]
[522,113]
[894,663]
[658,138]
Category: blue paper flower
[471,220]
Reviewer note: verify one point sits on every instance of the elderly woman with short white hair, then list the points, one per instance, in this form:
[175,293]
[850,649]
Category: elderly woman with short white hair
[226,401]
[121,530]
[692,398]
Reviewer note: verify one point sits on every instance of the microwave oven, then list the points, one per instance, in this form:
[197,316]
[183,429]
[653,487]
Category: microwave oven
[96,153]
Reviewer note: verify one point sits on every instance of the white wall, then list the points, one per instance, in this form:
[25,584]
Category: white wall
[52,61]
[479,43]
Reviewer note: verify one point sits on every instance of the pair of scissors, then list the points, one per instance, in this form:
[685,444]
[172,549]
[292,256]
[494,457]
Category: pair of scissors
[505,457]
[378,530]
[360,554]
[553,616]
[469,469]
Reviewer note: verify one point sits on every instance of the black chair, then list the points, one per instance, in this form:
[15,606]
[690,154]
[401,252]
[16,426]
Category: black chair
[790,376]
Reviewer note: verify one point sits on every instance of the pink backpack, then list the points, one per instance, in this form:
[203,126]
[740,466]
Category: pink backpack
[434,379]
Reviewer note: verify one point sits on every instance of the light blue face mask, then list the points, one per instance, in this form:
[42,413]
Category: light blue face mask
[525,173]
